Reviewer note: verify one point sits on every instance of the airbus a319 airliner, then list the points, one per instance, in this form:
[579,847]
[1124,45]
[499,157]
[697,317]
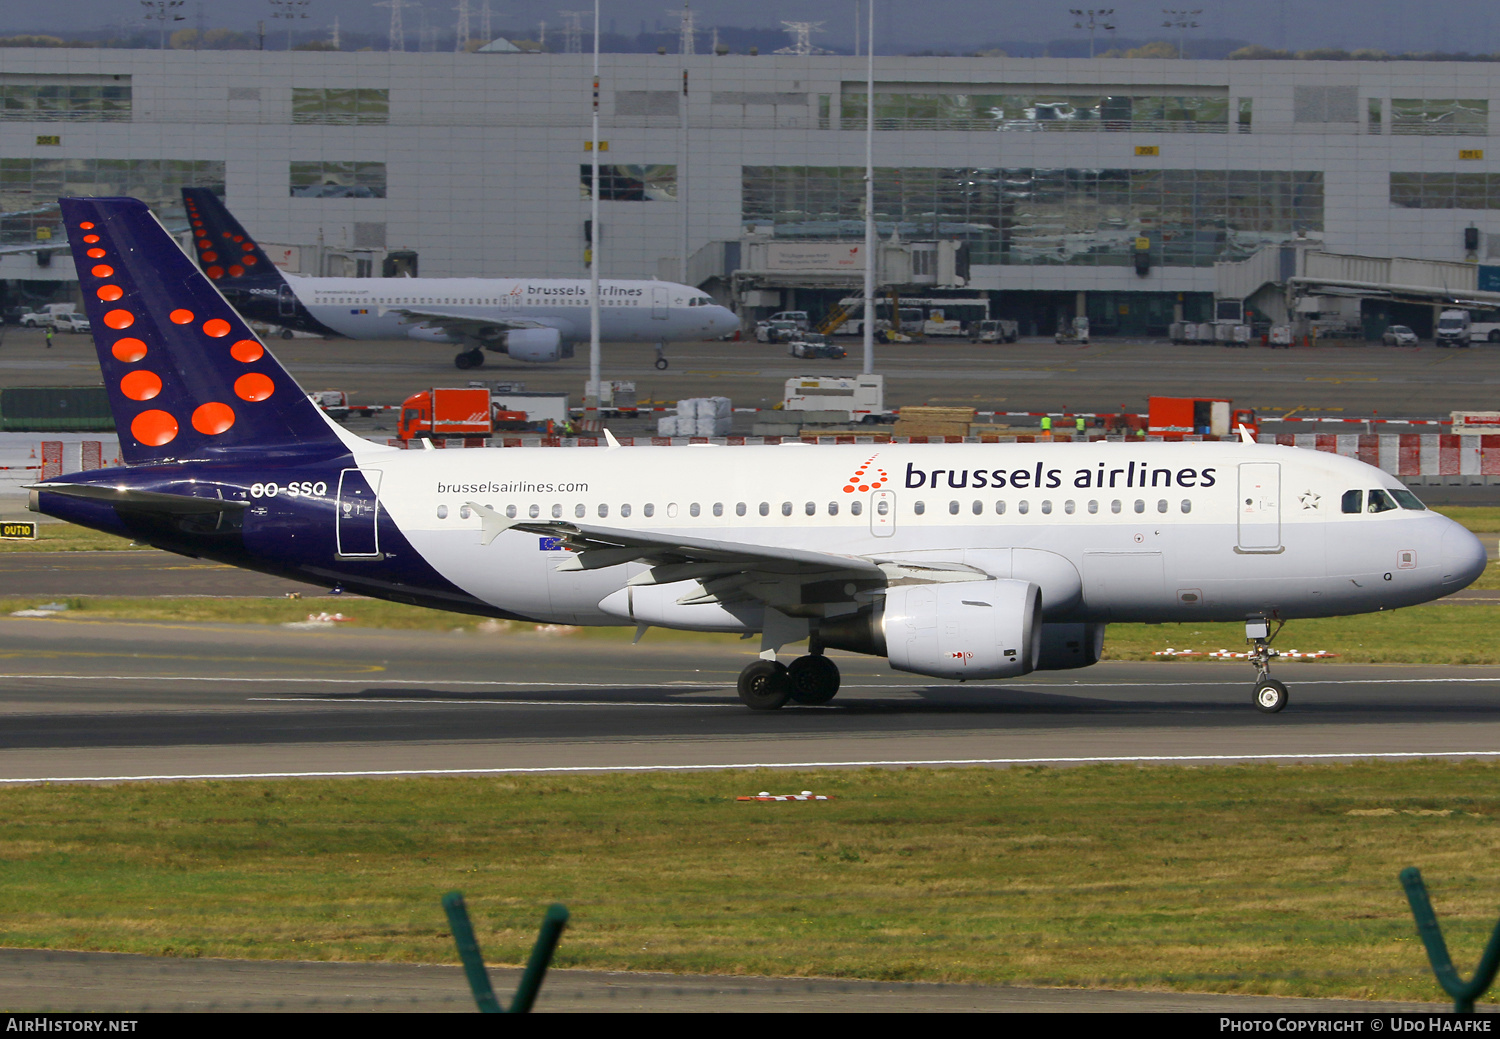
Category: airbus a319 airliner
[962,561]
[530,319]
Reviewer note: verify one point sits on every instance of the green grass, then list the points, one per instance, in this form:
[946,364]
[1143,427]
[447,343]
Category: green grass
[68,537]
[1481,519]
[1432,634]
[1243,879]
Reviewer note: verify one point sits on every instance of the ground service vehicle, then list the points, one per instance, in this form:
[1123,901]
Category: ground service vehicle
[1176,417]
[47,315]
[956,561]
[994,331]
[71,323]
[814,345]
[1076,331]
[467,411]
[774,330]
[1452,328]
[1398,335]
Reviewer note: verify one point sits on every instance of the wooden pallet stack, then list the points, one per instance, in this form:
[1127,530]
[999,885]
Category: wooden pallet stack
[933,422]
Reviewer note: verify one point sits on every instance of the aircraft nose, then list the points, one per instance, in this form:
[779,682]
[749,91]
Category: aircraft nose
[725,320]
[1464,558]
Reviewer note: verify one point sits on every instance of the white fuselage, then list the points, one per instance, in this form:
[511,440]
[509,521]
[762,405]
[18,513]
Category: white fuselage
[629,311]
[1109,531]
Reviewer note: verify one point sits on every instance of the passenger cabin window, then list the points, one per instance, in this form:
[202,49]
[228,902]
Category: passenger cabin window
[811,508]
[999,508]
[624,511]
[1140,506]
[1068,506]
[786,508]
[557,512]
[1187,506]
[857,506]
[1093,507]
[765,508]
[833,508]
[1047,508]
[648,509]
[534,511]
[1023,507]
[603,511]
[579,511]
[977,508]
[1114,506]
[442,512]
[693,509]
[718,508]
[510,512]
[1380,501]
[1354,501]
[739,508]
[953,508]
[917,507]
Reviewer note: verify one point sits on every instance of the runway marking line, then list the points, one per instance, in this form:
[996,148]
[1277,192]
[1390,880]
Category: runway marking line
[488,703]
[520,770]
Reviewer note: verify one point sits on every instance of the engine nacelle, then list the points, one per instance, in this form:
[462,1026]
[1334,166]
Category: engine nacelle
[538,345]
[970,629]
[1066,646]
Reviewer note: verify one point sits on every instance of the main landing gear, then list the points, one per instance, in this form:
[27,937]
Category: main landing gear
[1270,695]
[661,358]
[467,359]
[766,685]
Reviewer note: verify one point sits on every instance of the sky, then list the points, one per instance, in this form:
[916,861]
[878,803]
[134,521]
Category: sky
[902,26]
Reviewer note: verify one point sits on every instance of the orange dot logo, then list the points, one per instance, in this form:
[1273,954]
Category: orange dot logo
[235,270]
[109,293]
[90,238]
[248,247]
[247,350]
[862,479]
[87,225]
[217,327]
[128,350]
[254,386]
[215,272]
[118,319]
[96,254]
[210,256]
[154,428]
[213,418]
[250,261]
[181,317]
[141,385]
[103,270]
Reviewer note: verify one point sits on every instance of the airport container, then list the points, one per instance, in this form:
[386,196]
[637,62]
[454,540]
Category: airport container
[83,409]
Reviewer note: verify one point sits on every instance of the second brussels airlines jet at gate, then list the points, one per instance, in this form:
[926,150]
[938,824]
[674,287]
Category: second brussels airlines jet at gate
[956,561]
[531,319]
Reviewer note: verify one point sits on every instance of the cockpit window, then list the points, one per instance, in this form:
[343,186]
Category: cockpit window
[1380,501]
[1354,501]
[1409,500]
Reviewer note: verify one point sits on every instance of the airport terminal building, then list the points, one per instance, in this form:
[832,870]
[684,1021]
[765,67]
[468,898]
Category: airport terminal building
[1048,186]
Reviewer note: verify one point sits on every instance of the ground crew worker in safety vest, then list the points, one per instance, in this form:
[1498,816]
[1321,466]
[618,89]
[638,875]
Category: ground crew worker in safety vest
[49,337]
[1046,423]
[1079,424]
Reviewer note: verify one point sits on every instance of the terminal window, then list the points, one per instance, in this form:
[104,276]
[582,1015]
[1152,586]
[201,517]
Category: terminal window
[338,179]
[618,183]
[341,106]
[29,188]
[1030,112]
[1022,216]
[1445,190]
[59,98]
[1454,116]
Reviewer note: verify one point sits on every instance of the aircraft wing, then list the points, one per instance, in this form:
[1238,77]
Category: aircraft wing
[465,325]
[727,570]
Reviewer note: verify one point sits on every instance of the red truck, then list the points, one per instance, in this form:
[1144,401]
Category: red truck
[1173,418]
[454,412]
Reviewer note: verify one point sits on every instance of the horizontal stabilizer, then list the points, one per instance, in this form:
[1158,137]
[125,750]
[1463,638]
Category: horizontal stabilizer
[145,501]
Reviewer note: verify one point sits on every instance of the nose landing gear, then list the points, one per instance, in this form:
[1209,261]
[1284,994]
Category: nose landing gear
[661,357]
[766,685]
[1270,695]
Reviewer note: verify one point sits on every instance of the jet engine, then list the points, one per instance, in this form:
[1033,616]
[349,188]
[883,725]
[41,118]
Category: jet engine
[1066,646]
[538,345]
[970,629]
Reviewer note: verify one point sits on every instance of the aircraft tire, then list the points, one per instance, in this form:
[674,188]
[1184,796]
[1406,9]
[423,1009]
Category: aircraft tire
[814,679]
[286,333]
[763,685]
[661,363]
[1270,696]
[469,359]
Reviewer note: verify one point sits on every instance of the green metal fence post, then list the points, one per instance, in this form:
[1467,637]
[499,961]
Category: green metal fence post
[1464,993]
[468,952]
[479,978]
[541,956]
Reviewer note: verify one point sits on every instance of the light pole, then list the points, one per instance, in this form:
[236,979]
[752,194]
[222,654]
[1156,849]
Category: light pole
[869,321]
[1182,21]
[161,12]
[1090,19]
[592,390]
[291,10]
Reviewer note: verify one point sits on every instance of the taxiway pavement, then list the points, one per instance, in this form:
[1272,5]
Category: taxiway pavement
[103,700]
